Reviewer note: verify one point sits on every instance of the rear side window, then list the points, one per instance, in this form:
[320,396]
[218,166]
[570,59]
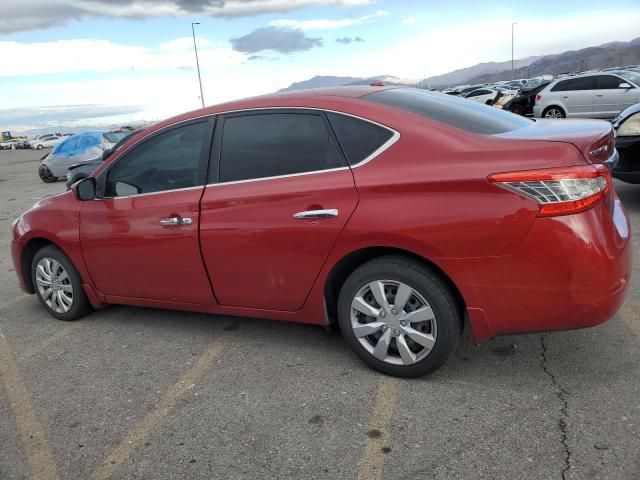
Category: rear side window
[358,138]
[457,112]
[275,144]
[582,83]
[560,86]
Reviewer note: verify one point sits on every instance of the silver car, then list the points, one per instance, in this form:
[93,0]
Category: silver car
[76,149]
[595,95]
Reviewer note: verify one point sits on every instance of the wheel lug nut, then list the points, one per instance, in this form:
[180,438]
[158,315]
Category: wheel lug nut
[394,311]
[396,333]
[403,323]
[383,314]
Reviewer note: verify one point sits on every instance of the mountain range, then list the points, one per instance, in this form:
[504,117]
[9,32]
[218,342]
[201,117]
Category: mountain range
[607,55]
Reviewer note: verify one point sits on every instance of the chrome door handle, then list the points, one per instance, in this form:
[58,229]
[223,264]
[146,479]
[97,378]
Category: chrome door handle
[329,213]
[172,221]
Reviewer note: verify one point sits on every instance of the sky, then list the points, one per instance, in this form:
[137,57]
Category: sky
[83,62]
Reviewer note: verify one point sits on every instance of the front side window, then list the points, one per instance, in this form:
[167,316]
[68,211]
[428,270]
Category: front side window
[275,144]
[168,161]
[608,82]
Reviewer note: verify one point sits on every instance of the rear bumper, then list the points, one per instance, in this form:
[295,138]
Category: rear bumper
[570,272]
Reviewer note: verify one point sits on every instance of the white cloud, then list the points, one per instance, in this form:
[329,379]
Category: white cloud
[90,55]
[327,24]
[21,15]
[409,21]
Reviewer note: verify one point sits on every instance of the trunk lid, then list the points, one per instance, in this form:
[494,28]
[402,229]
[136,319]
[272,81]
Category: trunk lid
[594,138]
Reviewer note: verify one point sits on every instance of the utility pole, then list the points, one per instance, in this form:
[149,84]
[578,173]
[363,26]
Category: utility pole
[197,62]
[512,28]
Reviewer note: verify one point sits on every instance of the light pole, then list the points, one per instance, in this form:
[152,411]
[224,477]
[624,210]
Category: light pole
[512,26]
[197,62]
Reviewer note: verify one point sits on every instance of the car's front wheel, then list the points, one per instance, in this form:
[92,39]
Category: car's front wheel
[45,174]
[553,112]
[58,285]
[399,316]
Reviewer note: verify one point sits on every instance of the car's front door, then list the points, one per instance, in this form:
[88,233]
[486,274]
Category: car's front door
[140,238]
[283,195]
[610,97]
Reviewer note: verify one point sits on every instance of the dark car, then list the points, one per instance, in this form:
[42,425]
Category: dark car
[627,126]
[522,104]
[82,170]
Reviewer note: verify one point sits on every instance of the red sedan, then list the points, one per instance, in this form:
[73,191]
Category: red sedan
[400,214]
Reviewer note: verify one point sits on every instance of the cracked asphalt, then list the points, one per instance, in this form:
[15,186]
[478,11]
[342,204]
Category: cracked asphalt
[141,393]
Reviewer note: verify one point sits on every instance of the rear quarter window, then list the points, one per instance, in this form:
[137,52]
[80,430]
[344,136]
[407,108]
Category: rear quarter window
[359,139]
[457,112]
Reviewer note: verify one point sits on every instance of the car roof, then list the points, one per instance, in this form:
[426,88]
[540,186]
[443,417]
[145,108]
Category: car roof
[293,99]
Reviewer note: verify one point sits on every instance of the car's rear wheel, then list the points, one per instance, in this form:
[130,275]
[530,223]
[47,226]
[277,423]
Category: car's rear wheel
[399,316]
[45,174]
[517,109]
[553,112]
[58,285]
[39,147]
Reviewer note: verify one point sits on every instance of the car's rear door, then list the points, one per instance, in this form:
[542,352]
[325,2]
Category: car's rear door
[282,196]
[578,96]
[140,237]
[610,99]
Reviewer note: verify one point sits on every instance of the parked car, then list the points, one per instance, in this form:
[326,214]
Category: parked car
[483,95]
[522,104]
[8,144]
[597,95]
[78,148]
[78,171]
[627,125]
[45,141]
[313,207]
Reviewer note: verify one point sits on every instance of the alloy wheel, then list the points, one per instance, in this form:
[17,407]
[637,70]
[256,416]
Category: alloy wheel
[54,285]
[393,322]
[553,113]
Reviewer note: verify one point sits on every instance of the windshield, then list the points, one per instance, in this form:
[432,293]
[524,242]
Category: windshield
[454,111]
[630,76]
[115,137]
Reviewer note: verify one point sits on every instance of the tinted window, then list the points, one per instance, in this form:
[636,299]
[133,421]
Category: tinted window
[608,82]
[273,144]
[168,161]
[457,112]
[358,138]
[583,83]
[560,86]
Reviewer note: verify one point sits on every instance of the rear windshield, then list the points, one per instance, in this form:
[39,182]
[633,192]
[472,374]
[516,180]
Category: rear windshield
[457,112]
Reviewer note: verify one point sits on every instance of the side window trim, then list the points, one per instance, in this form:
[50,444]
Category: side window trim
[101,179]
[213,177]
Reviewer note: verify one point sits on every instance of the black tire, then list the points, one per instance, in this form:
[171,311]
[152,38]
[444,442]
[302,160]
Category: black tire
[45,174]
[39,147]
[80,305]
[554,108]
[422,280]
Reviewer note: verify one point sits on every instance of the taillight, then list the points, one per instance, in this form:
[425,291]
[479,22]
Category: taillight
[538,98]
[559,191]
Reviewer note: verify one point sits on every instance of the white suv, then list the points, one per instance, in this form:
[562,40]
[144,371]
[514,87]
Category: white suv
[596,95]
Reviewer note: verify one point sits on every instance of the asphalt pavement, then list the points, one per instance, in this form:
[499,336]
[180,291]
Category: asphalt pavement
[139,393]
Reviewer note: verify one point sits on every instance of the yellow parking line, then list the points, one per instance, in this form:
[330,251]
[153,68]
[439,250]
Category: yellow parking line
[47,342]
[32,434]
[630,313]
[152,419]
[372,461]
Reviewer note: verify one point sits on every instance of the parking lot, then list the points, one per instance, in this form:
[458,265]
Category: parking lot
[139,393]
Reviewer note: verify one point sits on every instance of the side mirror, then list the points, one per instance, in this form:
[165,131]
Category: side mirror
[625,85]
[85,189]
